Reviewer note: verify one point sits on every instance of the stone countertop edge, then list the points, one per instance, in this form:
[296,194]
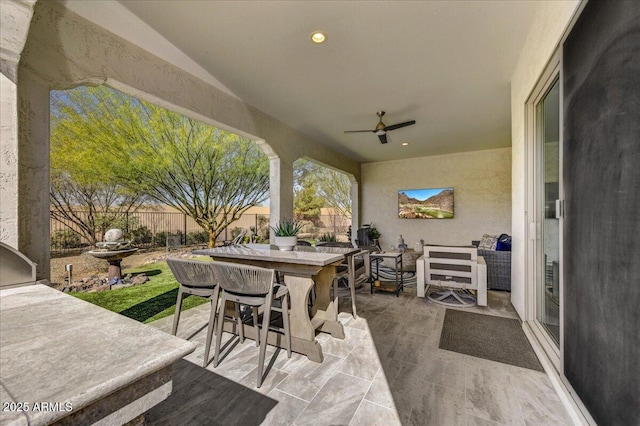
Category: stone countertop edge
[94,394]
[10,418]
[86,397]
[298,257]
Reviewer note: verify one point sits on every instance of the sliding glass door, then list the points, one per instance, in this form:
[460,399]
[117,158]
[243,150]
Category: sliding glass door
[548,211]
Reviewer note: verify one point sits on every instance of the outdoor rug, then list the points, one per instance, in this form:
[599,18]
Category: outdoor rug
[389,274]
[489,337]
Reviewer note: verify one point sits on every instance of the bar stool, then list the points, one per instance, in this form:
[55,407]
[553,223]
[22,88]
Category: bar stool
[197,278]
[253,287]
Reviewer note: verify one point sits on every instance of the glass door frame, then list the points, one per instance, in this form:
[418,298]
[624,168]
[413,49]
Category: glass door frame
[534,175]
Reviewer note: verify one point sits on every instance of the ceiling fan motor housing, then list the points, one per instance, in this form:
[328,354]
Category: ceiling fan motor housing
[381,128]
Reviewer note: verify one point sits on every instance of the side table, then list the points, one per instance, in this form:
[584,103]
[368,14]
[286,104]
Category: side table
[409,257]
[395,286]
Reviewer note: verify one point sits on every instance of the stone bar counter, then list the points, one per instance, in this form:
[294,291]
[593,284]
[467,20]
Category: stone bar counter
[63,360]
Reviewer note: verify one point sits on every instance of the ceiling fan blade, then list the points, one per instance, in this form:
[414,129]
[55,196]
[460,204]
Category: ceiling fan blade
[383,138]
[399,125]
[359,131]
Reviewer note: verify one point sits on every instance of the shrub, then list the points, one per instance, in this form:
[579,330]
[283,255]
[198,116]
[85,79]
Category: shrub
[65,239]
[329,237]
[141,235]
[236,231]
[160,239]
[197,237]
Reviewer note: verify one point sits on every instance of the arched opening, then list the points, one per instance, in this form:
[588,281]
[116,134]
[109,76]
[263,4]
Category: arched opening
[164,178]
[323,200]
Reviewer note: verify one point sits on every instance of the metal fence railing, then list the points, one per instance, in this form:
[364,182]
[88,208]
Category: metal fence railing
[151,229]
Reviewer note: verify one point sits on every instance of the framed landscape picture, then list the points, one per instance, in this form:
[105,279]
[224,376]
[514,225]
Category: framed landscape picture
[431,203]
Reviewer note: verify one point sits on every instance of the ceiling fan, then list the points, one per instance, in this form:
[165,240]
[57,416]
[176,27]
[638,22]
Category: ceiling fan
[382,129]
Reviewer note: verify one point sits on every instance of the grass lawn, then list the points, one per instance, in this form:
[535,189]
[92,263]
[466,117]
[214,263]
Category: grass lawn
[148,302]
[435,213]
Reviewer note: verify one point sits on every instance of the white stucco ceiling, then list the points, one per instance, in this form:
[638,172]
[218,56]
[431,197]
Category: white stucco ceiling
[446,65]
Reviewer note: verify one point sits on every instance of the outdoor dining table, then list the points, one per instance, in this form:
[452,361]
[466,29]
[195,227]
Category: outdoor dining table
[302,270]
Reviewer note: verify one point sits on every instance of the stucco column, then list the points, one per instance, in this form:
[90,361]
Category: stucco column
[14,27]
[8,162]
[33,172]
[355,208]
[281,190]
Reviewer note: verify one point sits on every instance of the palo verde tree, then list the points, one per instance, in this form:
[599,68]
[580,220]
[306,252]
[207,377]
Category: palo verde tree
[317,186]
[207,173]
[335,189]
[86,193]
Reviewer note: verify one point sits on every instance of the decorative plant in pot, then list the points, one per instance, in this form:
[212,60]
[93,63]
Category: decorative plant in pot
[286,232]
[372,233]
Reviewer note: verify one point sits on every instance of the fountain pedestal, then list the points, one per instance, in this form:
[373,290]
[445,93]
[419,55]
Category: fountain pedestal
[115,271]
[114,257]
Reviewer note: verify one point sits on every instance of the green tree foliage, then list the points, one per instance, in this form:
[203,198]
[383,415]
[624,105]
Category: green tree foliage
[317,186]
[307,201]
[86,193]
[335,189]
[209,174]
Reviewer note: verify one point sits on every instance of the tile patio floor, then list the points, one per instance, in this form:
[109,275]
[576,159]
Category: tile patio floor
[387,371]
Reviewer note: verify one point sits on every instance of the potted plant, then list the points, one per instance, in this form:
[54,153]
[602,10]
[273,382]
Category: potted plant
[286,232]
[372,233]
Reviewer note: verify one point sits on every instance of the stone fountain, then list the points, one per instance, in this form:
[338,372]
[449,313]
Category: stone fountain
[113,249]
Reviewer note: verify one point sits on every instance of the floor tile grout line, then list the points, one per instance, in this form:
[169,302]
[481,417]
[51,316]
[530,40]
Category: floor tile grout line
[380,405]
[360,404]
[355,377]
[324,383]
[289,394]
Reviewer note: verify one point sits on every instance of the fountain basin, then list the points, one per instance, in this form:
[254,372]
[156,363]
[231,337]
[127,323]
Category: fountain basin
[112,254]
[114,257]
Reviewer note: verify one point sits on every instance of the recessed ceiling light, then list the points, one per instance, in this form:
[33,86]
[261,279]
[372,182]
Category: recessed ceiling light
[318,37]
[405,143]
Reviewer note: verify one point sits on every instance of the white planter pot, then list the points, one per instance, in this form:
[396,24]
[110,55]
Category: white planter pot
[286,243]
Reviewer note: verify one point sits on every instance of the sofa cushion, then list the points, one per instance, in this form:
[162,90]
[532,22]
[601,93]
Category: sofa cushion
[488,242]
[498,269]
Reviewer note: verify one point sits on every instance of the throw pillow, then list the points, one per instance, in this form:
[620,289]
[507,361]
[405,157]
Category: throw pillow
[504,243]
[488,242]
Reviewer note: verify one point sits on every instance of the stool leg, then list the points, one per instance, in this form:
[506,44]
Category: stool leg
[176,316]
[352,287]
[239,322]
[266,318]
[256,326]
[212,324]
[285,323]
[216,352]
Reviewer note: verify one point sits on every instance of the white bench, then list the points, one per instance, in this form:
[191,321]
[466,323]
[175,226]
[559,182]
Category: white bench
[455,269]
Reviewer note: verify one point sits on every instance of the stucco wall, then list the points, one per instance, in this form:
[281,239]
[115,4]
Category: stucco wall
[482,196]
[8,161]
[63,49]
[14,27]
[547,28]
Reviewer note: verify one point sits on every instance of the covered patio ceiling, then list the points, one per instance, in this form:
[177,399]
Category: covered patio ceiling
[446,65]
